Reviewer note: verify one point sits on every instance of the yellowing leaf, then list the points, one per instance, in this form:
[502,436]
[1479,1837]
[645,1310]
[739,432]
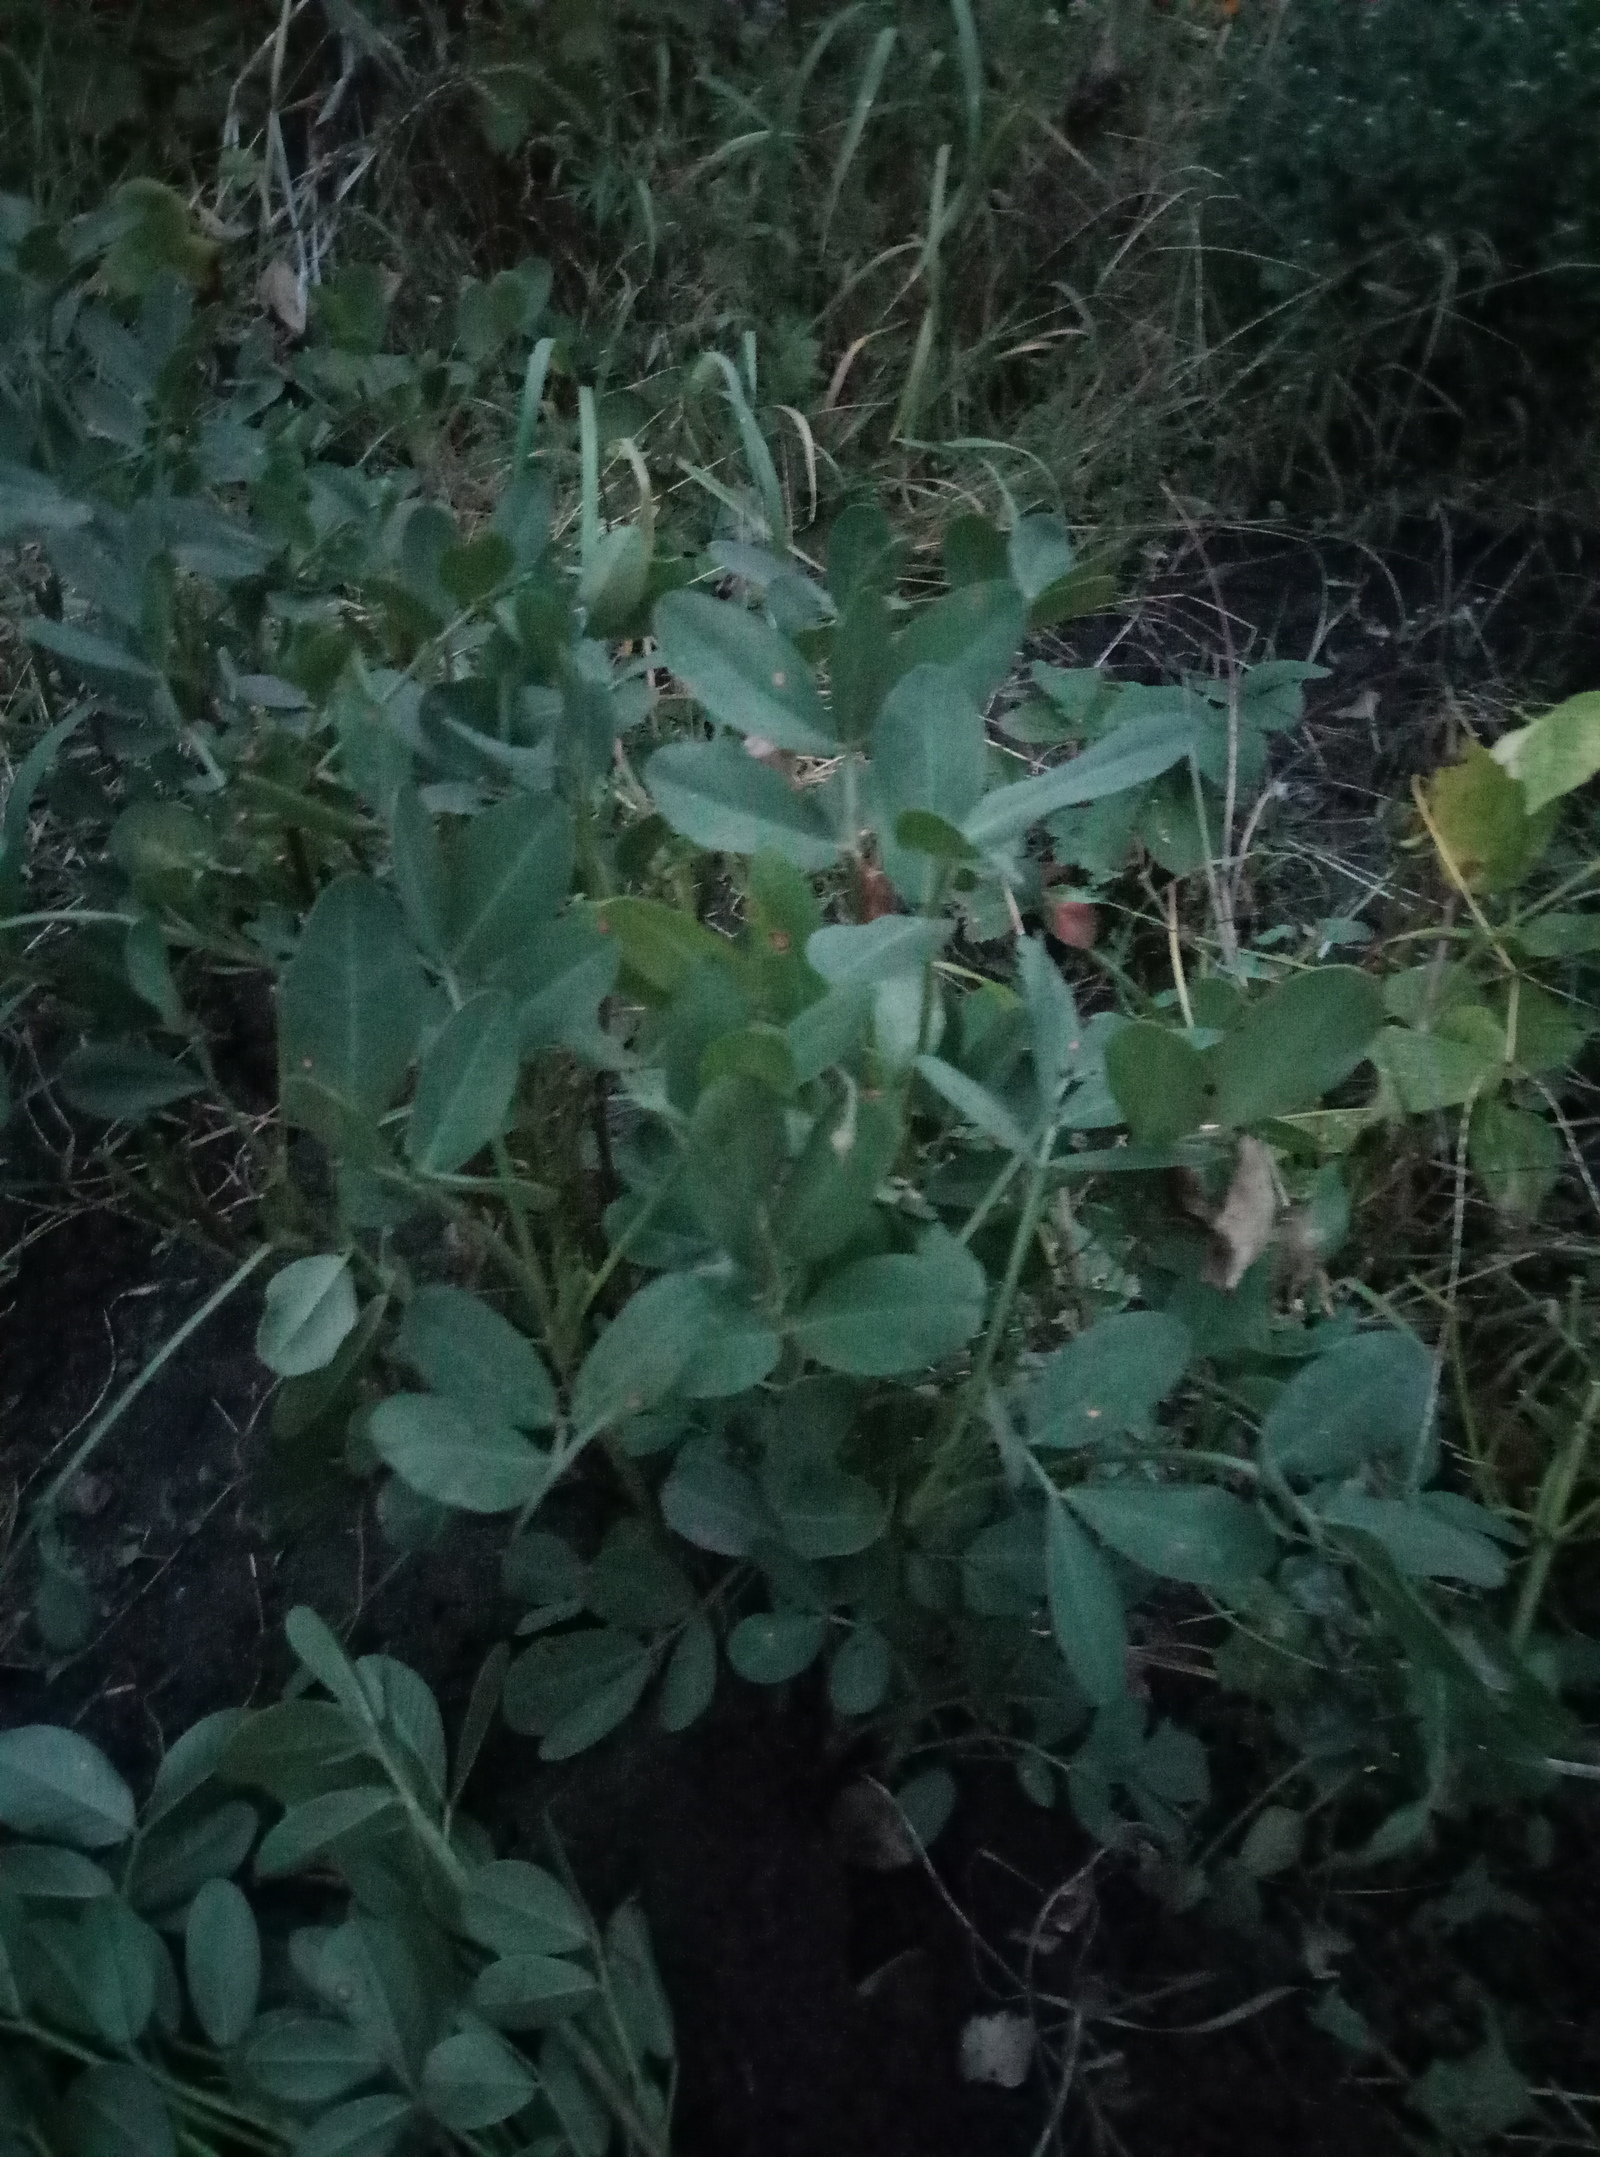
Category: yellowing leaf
[1481,817]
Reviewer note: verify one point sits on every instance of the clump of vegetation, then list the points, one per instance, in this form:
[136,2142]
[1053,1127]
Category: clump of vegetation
[1415,194]
[734,1058]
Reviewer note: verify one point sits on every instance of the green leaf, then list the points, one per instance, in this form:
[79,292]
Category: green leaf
[475,2080]
[574,1688]
[635,1984]
[929,749]
[1002,1568]
[507,875]
[402,1703]
[742,672]
[690,1681]
[365,2127]
[420,876]
[919,831]
[1469,2100]
[1169,825]
[897,944]
[973,1103]
[149,971]
[861,665]
[560,979]
[863,553]
[1559,936]
[457,1457]
[1515,1155]
[634,1583]
[516,1908]
[308,1830]
[310,1307]
[615,580]
[976,631]
[468,1352]
[529,1992]
[828,1032]
[1086,1612]
[1275,1841]
[302,2059]
[1361,1399]
[735,1348]
[974,551]
[94,658]
[1159,1081]
[156,239]
[352,999]
[725,800]
[222,1961]
[371,1971]
[1131,755]
[116,1964]
[822,1509]
[1190,1532]
[1053,1023]
[1422,1544]
[294,1748]
[476,567]
[176,1860]
[640,1356]
[124,1081]
[1107,1382]
[757,1052]
[56,1784]
[881,1317]
[318,1647]
[661,944]
[926,1802]
[711,1503]
[1550,1030]
[1296,1045]
[465,1085]
[830,1195]
[1039,554]
[860,1673]
[40,1871]
[770,1647]
[735,1156]
[29,776]
[117,2111]
[1556,754]
[1084,590]
[1436,1070]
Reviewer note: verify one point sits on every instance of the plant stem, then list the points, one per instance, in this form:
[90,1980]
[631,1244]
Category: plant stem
[1550,1518]
[46,1502]
[622,2106]
[530,1272]
[973,1392]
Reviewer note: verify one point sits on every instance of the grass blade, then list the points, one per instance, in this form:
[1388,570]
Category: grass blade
[532,398]
[971,59]
[589,453]
[860,114]
[757,455]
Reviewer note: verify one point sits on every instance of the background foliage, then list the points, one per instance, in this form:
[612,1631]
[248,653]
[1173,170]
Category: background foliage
[594,698]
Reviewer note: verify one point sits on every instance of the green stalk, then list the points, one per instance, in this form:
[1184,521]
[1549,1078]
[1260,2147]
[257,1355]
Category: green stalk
[530,1272]
[63,1479]
[973,1392]
[1550,1523]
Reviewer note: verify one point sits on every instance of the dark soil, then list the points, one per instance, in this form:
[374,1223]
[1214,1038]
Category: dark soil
[819,2006]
